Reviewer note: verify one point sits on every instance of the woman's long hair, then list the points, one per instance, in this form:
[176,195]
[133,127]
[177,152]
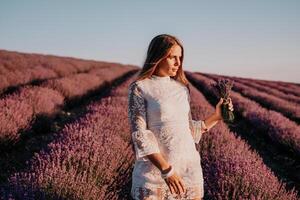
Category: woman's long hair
[159,49]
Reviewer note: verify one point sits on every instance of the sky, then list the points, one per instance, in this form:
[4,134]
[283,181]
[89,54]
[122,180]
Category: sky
[256,39]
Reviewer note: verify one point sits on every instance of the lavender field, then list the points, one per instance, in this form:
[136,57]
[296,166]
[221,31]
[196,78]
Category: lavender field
[64,132]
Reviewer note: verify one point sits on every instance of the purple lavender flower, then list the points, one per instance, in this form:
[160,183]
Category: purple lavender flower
[222,90]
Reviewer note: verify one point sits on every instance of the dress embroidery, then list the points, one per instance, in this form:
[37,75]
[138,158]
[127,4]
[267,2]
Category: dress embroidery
[144,141]
[160,121]
[163,193]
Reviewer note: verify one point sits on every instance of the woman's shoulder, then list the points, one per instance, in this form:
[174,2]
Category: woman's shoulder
[138,85]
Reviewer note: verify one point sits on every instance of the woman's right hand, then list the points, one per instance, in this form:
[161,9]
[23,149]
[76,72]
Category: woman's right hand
[175,184]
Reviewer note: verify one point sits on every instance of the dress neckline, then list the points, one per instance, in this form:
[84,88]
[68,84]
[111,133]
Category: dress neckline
[160,78]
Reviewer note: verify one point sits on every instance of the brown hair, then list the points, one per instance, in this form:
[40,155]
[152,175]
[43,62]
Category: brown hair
[159,48]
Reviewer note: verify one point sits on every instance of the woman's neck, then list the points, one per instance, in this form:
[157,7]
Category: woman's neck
[162,78]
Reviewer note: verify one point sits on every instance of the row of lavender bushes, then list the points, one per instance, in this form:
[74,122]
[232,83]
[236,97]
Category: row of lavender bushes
[295,86]
[270,90]
[62,66]
[288,84]
[19,110]
[288,109]
[20,68]
[90,159]
[279,128]
[231,170]
[79,84]
[285,87]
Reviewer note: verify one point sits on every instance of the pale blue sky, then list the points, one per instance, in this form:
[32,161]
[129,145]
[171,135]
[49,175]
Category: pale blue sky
[257,38]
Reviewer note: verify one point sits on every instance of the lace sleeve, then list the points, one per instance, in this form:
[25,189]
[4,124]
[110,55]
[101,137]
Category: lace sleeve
[197,126]
[143,139]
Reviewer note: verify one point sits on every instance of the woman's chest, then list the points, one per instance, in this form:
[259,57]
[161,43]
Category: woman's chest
[168,102]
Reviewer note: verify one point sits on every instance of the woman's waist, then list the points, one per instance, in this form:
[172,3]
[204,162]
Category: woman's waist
[161,124]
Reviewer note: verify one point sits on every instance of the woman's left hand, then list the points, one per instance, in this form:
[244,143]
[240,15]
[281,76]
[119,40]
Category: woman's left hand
[219,110]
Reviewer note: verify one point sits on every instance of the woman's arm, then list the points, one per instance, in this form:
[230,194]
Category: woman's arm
[199,127]
[159,161]
[211,121]
[174,181]
[144,140]
[217,116]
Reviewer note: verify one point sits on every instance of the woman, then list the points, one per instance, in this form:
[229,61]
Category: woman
[167,164]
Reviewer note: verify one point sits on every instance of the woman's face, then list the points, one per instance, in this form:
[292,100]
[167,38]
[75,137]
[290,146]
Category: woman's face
[170,65]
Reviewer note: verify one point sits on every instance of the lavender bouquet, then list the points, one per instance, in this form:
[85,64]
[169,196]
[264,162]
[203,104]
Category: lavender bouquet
[222,90]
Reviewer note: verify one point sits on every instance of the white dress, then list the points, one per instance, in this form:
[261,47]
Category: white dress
[161,122]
